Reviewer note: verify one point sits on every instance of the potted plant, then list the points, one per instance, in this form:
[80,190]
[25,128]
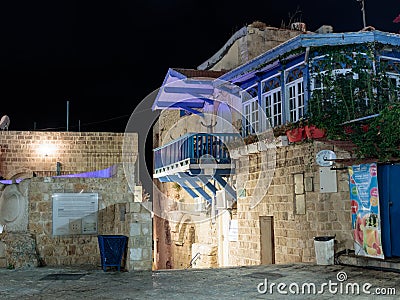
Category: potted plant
[313,132]
[295,134]
[295,130]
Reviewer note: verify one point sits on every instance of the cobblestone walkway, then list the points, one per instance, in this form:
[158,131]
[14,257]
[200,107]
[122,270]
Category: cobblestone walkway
[294,281]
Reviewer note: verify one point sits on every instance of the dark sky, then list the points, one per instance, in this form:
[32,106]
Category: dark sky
[104,57]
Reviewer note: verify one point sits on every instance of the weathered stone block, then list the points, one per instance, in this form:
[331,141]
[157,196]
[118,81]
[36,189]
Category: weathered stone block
[300,204]
[2,249]
[308,184]
[135,229]
[298,184]
[135,254]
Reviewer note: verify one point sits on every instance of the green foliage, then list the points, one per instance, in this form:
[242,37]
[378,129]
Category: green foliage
[362,90]
[382,139]
[252,138]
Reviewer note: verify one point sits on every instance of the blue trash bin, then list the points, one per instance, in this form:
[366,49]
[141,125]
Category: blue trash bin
[112,249]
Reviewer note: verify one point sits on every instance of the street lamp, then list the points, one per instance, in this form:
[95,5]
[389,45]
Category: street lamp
[363,11]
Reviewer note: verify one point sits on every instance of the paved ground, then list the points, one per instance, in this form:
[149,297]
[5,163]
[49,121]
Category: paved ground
[225,283]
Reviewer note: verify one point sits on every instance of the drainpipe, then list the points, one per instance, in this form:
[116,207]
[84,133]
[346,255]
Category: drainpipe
[213,206]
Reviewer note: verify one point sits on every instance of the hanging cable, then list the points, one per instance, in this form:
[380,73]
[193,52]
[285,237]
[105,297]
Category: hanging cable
[84,124]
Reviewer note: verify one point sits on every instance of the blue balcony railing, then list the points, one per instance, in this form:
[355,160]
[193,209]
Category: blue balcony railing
[194,146]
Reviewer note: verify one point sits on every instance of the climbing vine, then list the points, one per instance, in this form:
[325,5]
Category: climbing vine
[350,84]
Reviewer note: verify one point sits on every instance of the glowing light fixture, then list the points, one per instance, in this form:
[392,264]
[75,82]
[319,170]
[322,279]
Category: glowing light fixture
[47,149]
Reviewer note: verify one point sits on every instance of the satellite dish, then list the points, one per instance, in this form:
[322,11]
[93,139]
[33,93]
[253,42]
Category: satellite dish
[4,122]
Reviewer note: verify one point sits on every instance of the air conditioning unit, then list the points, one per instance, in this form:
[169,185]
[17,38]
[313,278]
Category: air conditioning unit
[223,200]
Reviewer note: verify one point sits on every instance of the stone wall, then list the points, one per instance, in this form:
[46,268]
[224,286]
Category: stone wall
[286,184]
[25,152]
[183,241]
[297,220]
[118,214]
[258,40]
[26,207]
[287,188]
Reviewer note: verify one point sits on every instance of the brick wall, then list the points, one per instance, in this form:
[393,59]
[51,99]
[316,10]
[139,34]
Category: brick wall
[39,152]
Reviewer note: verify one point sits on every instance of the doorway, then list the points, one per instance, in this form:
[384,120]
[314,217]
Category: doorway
[267,240]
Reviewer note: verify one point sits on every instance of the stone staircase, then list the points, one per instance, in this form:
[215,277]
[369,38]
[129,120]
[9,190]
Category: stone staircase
[388,264]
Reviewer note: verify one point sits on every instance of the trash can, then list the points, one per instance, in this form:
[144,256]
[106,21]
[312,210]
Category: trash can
[112,249]
[324,250]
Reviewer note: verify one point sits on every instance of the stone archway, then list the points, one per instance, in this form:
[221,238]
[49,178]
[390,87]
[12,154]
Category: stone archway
[14,207]
[184,238]
[17,245]
[22,173]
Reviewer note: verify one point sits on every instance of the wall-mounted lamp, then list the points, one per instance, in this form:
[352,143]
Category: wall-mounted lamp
[47,149]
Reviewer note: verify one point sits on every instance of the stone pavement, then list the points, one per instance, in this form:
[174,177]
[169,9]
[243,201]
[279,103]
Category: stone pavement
[255,282]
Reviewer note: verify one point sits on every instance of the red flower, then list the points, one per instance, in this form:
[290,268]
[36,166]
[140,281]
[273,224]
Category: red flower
[365,127]
[397,19]
[348,129]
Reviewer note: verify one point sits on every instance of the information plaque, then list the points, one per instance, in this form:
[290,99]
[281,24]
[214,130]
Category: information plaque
[75,213]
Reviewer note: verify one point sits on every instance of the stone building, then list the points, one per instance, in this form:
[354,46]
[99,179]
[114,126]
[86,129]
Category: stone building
[229,188]
[60,190]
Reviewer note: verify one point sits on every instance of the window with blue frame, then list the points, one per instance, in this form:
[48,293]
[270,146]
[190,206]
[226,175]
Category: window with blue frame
[272,100]
[250,110]
[390,85]
[295,92]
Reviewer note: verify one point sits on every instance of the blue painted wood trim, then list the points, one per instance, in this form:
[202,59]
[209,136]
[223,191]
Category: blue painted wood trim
[205,180]
[260,108]
[295,60]
[186,90]
[181,104]
[307,87]
[248,83]
[198,189]
[312,40]
[392,54]
[170,73]
[165,179]
[189,191]
[284,102]
[271,73]
[225,185]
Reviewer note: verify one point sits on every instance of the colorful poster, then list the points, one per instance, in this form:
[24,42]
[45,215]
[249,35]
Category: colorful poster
[366,221]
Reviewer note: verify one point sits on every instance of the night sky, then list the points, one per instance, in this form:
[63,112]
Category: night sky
[104,57]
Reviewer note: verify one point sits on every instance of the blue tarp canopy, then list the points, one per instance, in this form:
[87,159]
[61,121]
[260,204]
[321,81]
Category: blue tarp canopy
[190,93]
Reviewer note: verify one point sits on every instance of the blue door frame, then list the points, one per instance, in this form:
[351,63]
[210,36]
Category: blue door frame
[389,198]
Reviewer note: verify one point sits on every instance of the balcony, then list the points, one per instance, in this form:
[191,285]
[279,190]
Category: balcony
[194,160]
[192,152]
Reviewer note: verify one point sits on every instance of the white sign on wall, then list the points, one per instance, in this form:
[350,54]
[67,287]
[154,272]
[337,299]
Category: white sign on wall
[233,231]
[75,213]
